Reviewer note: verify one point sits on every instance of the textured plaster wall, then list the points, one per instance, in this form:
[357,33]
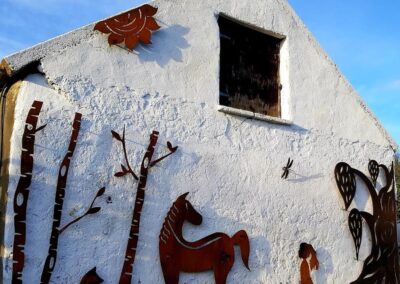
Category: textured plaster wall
[231,169]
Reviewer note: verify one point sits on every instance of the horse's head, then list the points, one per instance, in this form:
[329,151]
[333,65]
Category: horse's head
[305,251]
[191,214]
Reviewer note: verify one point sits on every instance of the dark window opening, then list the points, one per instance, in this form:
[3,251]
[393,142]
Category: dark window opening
[249,69]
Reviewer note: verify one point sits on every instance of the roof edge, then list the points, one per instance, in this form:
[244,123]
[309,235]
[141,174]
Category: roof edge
[12,64]
[352,91]
[15,61]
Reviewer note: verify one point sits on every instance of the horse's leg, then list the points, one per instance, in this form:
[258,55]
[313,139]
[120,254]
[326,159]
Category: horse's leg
[171,275]
[223,266]
[221,273]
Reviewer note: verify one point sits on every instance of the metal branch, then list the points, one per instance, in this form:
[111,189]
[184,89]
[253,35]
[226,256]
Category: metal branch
[370,188]
[153,163]
[123,142]
[91,210]
[130,253]
[170,148]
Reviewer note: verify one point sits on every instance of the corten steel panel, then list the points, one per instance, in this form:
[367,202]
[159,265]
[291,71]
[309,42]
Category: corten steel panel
[147,164]
[130,27]
[91,210]
[59,201]
[381,266]
[91,277]
[306,252]
[214,252]
[22,191]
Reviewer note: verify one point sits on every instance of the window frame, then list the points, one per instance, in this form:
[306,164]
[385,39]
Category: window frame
[283,78]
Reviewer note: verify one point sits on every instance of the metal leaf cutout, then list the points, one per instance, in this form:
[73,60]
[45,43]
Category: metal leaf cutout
[130,27]
[116,135]
[346,182]
[355,226]
[373,169]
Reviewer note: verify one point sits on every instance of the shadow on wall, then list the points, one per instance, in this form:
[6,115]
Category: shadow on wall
[167,44]
[325,266]
[300,178]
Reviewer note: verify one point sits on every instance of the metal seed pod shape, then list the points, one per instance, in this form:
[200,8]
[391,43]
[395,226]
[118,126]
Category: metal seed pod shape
[373,169]
[355,226]
[346,182]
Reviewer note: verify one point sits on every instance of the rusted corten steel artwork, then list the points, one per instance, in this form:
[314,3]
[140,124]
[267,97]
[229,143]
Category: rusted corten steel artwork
[91,210]
[59,201]
[147,163]
[132,27]
[91,277]
[22,191]
[306,252]
[214,252]
[382,265]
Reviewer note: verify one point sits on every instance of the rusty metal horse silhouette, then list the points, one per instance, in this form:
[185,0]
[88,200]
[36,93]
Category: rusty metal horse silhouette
[214,252]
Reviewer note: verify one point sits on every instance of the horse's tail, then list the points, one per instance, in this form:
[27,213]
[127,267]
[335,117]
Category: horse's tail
[242,240]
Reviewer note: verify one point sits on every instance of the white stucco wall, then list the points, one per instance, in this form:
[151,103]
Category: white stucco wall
[231,169]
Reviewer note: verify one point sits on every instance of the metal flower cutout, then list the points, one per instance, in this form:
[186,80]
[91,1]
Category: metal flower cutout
[132,27]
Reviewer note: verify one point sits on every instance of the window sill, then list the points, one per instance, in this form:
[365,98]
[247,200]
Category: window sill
[258,116]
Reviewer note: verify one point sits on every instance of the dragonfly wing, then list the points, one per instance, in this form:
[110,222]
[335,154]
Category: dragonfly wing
[290,164]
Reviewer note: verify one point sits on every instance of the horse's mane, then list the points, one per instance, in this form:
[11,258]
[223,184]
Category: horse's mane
[172,215]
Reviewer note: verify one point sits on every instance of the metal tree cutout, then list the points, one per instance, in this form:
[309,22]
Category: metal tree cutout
[147,163]
[22,191]
[132,27]
[381,266]
[305,251]
[214,252]
[59,201]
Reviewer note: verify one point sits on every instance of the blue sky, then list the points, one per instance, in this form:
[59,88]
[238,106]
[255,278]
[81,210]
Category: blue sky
[363,39]
[361,36]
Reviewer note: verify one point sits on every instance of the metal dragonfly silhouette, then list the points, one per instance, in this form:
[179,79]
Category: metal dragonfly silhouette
[286,169]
